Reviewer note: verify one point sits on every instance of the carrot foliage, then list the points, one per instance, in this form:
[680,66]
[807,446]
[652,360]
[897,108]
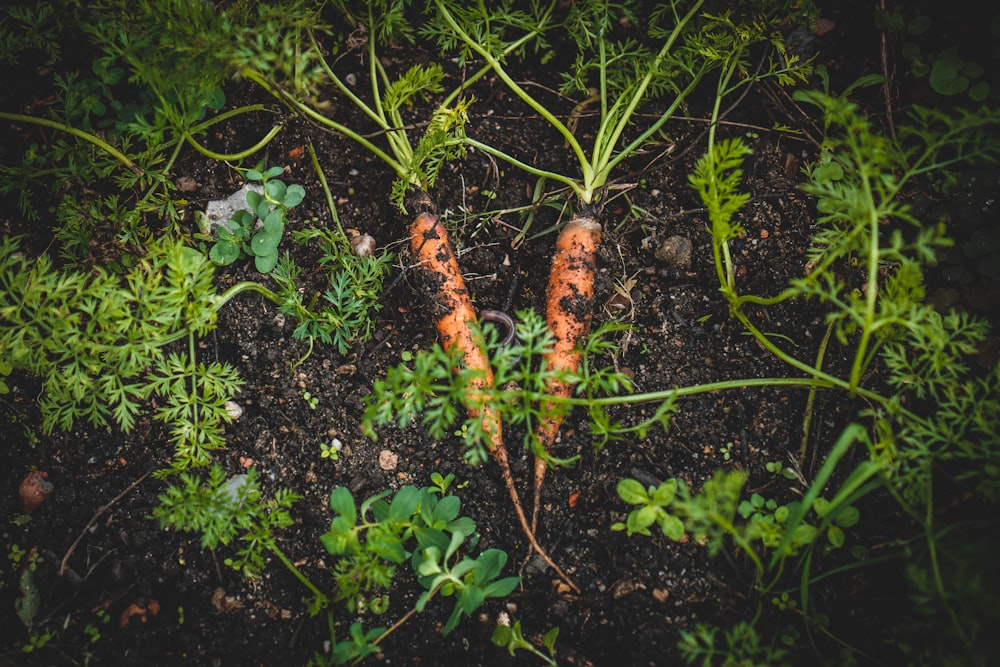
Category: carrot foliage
[424,389]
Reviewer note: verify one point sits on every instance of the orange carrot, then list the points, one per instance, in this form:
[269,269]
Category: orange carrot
[453,309]
[455,317]
[568,306]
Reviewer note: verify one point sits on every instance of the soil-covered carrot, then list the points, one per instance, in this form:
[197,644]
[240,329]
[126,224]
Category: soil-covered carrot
[455,325]
[454,310]
[568,307]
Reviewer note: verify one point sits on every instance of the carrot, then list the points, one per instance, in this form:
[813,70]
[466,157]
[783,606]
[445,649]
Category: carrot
[568,306]
[455,317]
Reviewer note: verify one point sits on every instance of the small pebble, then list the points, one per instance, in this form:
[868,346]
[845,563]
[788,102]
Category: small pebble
[234,410]
[675,252]
[35,489]
[387,460]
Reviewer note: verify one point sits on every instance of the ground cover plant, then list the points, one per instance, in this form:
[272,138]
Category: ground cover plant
[773,397]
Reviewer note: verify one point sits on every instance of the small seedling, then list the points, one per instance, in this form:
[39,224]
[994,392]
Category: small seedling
[241,237]
[311,401]
[512,638]
[331,451]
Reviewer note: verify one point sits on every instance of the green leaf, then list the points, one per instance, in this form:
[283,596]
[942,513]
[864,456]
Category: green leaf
[639,520]
[821,506]
[665,493]
[836,536]
[404,504]
[275,190]
[672,527]
[294,195]
[549,640]
[847,517]
[224,253]
[342,502]
[265,243]
[632,492]
[502,636]
[945,77]
[266,263]
[274,223]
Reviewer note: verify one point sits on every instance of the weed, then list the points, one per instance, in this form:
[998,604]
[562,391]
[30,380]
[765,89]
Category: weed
[240,237]
[423,526]
[512,638]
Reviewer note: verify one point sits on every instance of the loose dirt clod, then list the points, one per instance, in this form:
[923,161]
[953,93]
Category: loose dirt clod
[35,489]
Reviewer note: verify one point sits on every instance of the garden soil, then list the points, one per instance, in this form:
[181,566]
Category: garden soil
[158,598]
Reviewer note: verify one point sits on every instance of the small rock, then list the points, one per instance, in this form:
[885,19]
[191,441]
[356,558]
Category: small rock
[35,489]
[363,244]
[225,604]
[675,252]
[219,211]
[186,184]
[387,460]
[234,410]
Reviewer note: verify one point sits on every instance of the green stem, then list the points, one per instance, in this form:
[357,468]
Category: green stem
[326,189]
[327,122]
[811,400]
[486,148]
[86,136]
[247,286]
[871,287]
[526,97]
[227,157]
[295,571]
[604,148]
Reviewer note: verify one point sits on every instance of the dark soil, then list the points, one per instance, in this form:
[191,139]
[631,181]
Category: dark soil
[638,594]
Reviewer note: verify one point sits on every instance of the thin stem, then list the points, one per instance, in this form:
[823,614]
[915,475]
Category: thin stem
[247,286]
[522,93]
[604,148]
[486,148]
[86,136]
[227,157]
[323,120]
[326,188]
[871,288]
[811,400]
[276,550]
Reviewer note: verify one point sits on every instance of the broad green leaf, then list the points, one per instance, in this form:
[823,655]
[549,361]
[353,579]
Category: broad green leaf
[672,527]
[274,222]
[294,195]
[342,502]
[265,243]
[847,517]
[664,494]
[266,263]
[632,492]
[275,190]
[224,253]
[404,504]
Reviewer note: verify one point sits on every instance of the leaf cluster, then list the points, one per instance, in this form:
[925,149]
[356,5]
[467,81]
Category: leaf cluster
[432,390]
[29,28]
[223,509]
[241,237]
[419,525]
[345,316]
[93,337]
